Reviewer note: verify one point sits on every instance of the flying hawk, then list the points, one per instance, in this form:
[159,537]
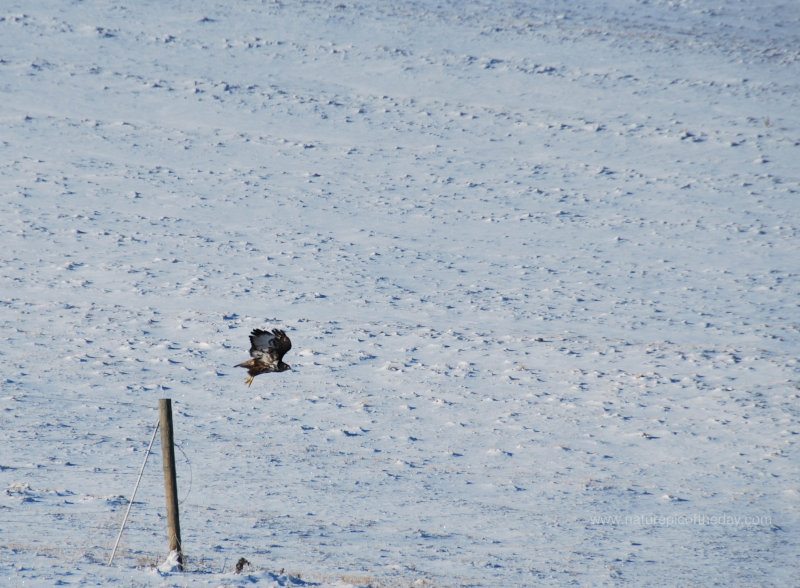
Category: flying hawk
[267,350]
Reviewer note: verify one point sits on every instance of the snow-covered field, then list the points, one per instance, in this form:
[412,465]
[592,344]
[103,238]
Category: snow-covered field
[540,263]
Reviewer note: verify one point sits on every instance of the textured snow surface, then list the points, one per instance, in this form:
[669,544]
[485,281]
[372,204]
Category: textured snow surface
[540,264]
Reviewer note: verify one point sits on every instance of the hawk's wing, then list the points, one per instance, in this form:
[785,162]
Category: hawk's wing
[269,347]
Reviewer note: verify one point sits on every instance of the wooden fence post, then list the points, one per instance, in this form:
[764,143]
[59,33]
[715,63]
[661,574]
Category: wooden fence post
[170,478]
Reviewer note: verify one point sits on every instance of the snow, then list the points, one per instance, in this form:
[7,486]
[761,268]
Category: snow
[540,264]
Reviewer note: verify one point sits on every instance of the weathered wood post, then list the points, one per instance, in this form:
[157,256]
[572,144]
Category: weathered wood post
[170,478]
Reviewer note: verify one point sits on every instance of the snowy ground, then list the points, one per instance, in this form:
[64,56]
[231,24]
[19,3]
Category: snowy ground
[540,264]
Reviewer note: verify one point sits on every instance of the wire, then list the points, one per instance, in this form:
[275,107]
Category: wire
[188,463]
[130,503]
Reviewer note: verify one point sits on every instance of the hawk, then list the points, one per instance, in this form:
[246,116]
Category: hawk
[267,350]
